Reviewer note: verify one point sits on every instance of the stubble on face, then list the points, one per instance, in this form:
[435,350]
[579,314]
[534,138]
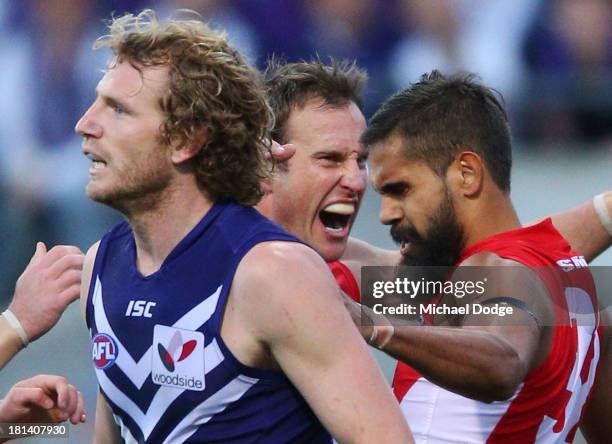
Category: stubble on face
[135,155]
[139,186]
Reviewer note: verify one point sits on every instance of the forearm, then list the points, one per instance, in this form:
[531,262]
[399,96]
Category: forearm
[582,227]
[10,344]
[473,363]
[457,359]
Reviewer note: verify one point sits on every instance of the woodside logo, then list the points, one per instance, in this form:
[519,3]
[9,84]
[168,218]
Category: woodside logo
[179,361]
[167,356]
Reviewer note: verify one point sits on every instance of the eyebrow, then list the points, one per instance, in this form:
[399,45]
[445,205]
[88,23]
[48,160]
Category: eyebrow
[337,154]
[112,101]
[392,188]
[340,154]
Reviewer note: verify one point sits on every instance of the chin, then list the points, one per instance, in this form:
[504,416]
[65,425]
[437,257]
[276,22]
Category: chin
[94,193]
[102,196]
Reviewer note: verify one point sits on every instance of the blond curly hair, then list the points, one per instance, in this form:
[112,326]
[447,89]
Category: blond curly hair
[210,87]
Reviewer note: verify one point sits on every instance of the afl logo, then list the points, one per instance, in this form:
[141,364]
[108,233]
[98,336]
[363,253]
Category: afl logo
[104,350]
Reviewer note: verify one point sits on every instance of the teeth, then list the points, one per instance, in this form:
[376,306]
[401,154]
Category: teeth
[340,208]
[98,164]
[334,230]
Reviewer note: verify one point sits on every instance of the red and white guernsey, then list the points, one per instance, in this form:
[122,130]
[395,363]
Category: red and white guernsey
[345,279]
[548,404]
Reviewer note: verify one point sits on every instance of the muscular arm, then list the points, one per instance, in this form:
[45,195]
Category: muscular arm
[309,334]
[596,425]
[582,228]
[105,431]
[488,356]
[457,359]
[359,253]
[367,254]
[486,364]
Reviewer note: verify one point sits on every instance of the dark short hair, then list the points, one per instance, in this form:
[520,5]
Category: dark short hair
[291,85]
[439,116]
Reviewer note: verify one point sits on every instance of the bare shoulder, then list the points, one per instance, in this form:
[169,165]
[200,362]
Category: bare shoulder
[510,275]
[507,278]
[90,258]
[274,265]
[280,254]
[282,284]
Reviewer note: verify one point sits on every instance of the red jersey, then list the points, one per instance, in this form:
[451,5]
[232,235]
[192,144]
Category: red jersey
[548,404]
[345,279]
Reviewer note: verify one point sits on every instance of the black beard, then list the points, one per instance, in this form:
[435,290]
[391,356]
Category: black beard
[440,245]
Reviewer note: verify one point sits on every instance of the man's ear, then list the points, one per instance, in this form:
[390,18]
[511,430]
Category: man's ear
[187,149]
[467,173]
[266,186]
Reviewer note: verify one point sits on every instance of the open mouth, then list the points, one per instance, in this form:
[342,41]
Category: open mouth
[96,162]
[336,217]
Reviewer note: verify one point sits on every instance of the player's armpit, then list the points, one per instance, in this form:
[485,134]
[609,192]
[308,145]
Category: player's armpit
[90,258]
[292,304]
[106,430]
[583,229]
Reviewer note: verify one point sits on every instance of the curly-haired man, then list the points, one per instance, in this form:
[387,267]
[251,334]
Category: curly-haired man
[208,322]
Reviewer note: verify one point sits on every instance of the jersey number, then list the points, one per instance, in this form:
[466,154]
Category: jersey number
[583,318]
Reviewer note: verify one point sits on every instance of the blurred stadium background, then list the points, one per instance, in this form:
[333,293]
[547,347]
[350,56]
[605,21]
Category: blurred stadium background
[551,60]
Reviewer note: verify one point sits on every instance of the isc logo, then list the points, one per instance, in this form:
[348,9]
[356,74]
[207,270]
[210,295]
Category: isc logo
[104,350]
[140,308]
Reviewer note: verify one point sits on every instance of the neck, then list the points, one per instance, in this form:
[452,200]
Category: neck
[160,227]
[488,217]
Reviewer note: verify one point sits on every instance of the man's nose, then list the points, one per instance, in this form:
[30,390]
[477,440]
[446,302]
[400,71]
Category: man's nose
[87,126]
